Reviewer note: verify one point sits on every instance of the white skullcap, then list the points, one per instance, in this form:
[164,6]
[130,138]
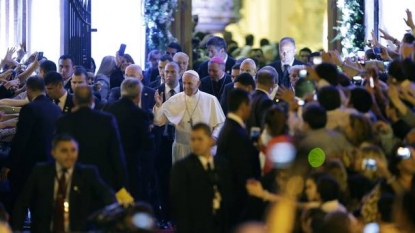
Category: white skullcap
[192,72]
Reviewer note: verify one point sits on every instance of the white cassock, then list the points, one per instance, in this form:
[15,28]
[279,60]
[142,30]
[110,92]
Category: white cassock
[182,110]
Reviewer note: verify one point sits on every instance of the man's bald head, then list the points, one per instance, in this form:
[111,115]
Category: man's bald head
[179,55]
[134,71]
[183,60]
[248,66]
[83,96]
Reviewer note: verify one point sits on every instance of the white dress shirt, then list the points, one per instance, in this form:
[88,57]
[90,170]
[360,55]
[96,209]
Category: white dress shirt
[167,90]
[204,161]
[62,100]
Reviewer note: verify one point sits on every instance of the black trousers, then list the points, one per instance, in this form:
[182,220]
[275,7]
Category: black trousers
[163,167]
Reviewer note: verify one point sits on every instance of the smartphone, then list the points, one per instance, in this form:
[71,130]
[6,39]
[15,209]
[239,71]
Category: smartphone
[372,227]
[122,49]
[255,133]
[369,164]
[302,73]
[282,154]
[317,60]
[404,152]
[300,102]
[40,56]
[371,82]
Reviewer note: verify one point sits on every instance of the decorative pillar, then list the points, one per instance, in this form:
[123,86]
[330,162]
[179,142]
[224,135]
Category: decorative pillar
[213,15]
[333,15]
[182,27]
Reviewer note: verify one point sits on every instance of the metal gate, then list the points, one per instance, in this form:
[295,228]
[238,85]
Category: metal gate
[77,31]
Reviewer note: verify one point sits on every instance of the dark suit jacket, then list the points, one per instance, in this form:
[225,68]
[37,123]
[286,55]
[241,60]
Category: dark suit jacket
[235,145]
[203,68]
[224,98]
[68,86]
[260,104]
[86,190]
[147,97]
[277,66]
[206,85]
[133,124]
[99,143]
[155,83]
[150,75]
[32,142]
[192,194]
[67,108]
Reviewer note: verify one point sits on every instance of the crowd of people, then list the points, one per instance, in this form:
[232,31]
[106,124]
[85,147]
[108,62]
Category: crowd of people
[266,139]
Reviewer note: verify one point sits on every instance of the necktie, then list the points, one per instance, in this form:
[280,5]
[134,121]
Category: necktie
[286,77]
[58,223]
[56,101]
[172,92]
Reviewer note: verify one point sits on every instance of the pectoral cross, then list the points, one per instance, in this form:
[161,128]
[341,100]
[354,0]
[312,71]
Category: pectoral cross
[190,122]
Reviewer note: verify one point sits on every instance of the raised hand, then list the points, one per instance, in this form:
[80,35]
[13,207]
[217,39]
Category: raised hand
[158,98]
[409,20]
[375,41]
[385,35]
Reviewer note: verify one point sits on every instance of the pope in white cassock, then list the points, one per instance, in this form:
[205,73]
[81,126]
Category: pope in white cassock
[185,109]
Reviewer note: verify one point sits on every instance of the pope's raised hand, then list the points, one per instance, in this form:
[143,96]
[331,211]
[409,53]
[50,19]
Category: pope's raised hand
[158,98]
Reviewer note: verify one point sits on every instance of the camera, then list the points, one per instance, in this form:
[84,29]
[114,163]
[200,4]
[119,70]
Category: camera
[404,152]
[369,164]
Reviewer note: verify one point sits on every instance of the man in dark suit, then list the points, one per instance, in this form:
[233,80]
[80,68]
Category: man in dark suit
[80,78]
[147,101]
[261,101]
[215,83]
[53,185]
[98,137]
[152,72]
[165,138]
[134,125]
[161,65]
[57,93]
[247,66]
[66,69]
[200,187]
[32,141]
[216,47]
[235,145]
[287,51]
